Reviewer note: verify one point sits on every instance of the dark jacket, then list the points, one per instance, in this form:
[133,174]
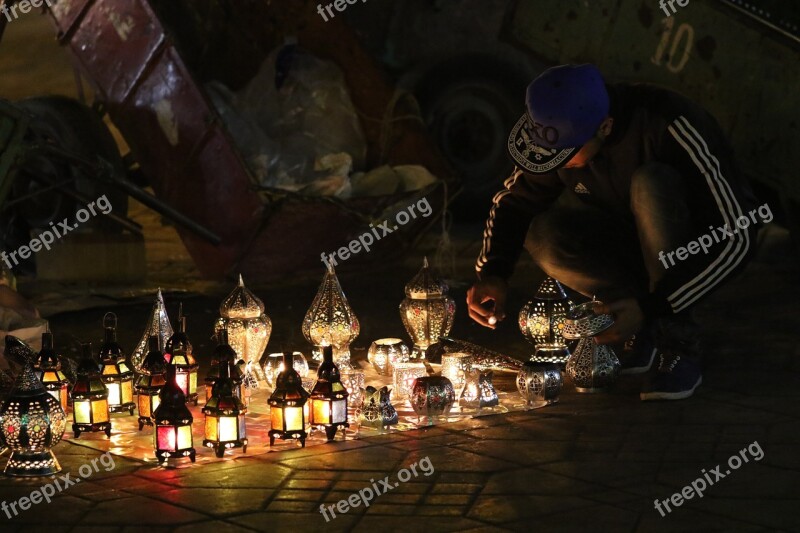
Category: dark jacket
[650,124]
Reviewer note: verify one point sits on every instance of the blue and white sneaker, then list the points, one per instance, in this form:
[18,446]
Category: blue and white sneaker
[639,353]
[678,374]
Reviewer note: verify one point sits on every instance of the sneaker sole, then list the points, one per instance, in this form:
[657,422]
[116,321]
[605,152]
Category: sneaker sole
[680,395]
[640,369]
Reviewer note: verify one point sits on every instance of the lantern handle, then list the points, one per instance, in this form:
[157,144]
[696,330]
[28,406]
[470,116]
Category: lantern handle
[106,318]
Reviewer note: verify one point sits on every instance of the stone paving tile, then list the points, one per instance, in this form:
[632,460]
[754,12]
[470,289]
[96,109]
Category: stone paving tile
[65,509]
[521,452]
[263,475]
[685,519]
[157,512]
[299,495]
[526,480]
[290,522]
[371,523]
[778,514]
[453,459]
[612,519]
[374,458]
[499,509]
[291,506]
[216,526]
[455,488]
[96,529]
[605,473]
[217,501]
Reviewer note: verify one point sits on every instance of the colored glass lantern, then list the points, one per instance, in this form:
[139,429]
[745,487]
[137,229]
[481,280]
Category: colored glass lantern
[114,369]
[404,376]
[178,352]
[289,405]
[479,391]
[249,328]
[331,322]
[48,366]
[89,396]
[432,396]
[158,324]
[539,383]
[32,421]
[377,411]
[224,352]
[542,322]
[385,353]
[329,397]
[427,312]
[274,365]
[592,367]
[455,367]
[152,379]
[172,437]
[225,426]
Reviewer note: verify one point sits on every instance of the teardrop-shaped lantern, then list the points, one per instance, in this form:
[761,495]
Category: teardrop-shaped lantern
[158,324]
[427,312]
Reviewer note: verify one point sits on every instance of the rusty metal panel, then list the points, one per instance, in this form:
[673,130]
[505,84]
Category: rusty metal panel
[67,12]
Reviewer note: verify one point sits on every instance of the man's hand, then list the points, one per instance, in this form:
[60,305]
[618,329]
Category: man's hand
[491,289]
[628,320]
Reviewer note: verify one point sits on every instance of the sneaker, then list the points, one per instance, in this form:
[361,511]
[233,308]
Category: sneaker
[678,373]
[676,379]
[639,353]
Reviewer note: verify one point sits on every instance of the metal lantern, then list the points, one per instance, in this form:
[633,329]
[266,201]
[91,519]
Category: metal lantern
[289,405]
[354,384]
[539,383]
[114,369]
[178,352]
[404,376]
[479,391]
[329,397]
[89,397]
[172,437]
[427,312]
[32,422]
[48,367]
[152,379]
[542,321]
[274,365]
[331,322]
[225,424]
[385,353]
[158,324]
[455,367]
[432,396]
[248,327]
[593,367]
[224,352]
[376,410]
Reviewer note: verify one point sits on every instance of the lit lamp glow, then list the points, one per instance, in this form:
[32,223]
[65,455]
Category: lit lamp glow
[32,421]
[48,366]
[455,367]
[173,433]
[114,369]
[404,376]
[89,397]
[329,397]
[274,365]
[158,324]
[385,353]
[178,352]
[289,405]
[479,391]
[242,316]
[427,312]
[225,426]
[150,382]
[330,321]
[542,321]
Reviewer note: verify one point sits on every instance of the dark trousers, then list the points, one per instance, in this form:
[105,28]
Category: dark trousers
[609,255]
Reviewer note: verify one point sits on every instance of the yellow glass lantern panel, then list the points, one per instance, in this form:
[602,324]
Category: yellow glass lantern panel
[276,416]
[99,411]
[228,430]
[184,437]
[114,393]
[193,382]
[321,411]
[127,391]
[211,428]
[82,411]
[294,418]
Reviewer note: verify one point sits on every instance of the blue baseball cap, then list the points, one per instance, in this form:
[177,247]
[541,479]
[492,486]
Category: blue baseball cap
[566,105]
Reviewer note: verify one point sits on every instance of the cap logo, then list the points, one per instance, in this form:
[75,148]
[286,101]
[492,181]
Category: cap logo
[529,153]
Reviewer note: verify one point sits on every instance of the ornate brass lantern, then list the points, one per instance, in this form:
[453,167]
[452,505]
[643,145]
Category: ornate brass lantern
[331,322]
[593,367]
[385,353]
[289,405]
[225,423]
[115,371]
[542,322]
[432,396]
[152,379]
[173,420]
[539,383]
[178,352]
[89,397]
[48,366]
[479,391]
[158,324]
[427,312]
[377,410]
[249,328]
[32,421]
[455,367]
[329,397]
